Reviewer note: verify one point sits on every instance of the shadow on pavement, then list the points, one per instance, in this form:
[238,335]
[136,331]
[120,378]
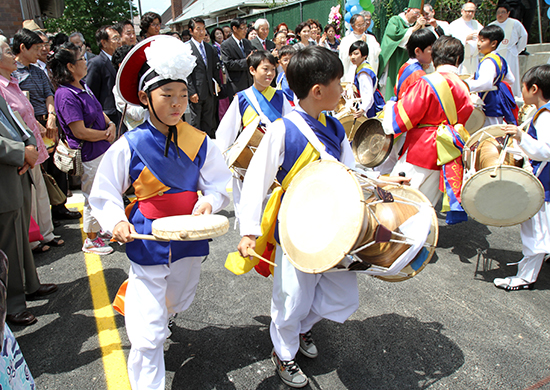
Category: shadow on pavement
[384,352]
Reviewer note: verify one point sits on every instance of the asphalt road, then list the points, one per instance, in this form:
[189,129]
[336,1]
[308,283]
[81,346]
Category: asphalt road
[446,328]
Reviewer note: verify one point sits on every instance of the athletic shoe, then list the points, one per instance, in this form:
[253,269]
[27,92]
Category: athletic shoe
[513,283]
[289,372]
[105,236]
[97,246]
[307,346]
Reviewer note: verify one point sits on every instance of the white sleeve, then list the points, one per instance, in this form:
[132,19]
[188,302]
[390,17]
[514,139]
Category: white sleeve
[510,77]
[387,122]
[403,43]
[111,181]
[229,126]
[213,179]
[346,157]
[259,177]
[523,37]
[487,73]
[366,90]
[538,149]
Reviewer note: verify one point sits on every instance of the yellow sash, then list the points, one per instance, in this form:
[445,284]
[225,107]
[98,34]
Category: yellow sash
[240,265]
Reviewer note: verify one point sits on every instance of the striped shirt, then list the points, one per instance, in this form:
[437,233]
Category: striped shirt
[33,80]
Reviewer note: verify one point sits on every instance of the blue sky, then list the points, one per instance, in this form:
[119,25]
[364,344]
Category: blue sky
[158,6]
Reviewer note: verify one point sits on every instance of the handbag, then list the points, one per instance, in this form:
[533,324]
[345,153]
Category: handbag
[55,194]
[68,160]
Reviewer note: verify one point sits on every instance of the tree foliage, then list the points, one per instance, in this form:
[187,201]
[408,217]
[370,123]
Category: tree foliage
[86,16]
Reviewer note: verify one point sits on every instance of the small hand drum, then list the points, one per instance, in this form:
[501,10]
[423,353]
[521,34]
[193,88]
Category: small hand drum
[187,228]
[241,152]
[351,125]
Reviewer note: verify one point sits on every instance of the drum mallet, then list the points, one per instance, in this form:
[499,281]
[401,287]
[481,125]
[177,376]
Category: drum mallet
[252,252]
[501,156]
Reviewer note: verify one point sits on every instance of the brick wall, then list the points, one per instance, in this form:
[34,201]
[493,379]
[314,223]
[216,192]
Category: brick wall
[10,17]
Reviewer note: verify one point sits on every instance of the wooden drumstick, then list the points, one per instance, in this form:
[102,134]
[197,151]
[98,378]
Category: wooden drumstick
[253,253]
[148,237]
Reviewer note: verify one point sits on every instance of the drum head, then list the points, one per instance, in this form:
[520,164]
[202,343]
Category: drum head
[350,124]
[476,121]
[198,227]
[371,146]
[510,198]
[242,142]
[321,216]
[493,131]
[426,253]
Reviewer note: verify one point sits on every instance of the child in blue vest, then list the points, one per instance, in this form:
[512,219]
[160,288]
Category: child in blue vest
[167,161]
[259,100]
[491,72]
[285,54]
[299,299]
[366,82]
[535,232]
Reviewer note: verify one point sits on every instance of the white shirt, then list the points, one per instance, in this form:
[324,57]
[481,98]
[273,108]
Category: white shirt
[460,29]
[487,74]
[343,53]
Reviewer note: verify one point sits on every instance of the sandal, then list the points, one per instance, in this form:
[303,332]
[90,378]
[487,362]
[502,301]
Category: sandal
[56,242]
[511,284]
[41,248]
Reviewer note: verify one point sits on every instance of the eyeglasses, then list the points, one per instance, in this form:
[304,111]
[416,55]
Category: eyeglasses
[116,39]
[242,27]
[155,24]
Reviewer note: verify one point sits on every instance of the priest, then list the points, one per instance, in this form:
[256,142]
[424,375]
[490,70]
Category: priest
[393,48]
[465,29]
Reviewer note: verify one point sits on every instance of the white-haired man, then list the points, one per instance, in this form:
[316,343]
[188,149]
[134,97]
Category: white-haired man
[466,28]
[261,42]
[360,23]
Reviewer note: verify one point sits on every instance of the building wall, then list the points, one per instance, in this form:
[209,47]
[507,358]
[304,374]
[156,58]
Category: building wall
[11,19]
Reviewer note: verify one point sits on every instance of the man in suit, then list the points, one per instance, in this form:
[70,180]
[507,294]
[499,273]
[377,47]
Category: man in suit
[101,76]
[200,81]
[235,51]
[18,153]
[78,39]
[261,42]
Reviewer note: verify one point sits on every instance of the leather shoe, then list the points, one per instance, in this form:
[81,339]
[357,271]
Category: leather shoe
[66,214]
[43,290]
[23,318]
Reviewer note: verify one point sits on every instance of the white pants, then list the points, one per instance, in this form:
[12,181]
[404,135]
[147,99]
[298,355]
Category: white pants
[300,300]
[40,206]
[535,237]
[154,293]
[423,179]
[89,223]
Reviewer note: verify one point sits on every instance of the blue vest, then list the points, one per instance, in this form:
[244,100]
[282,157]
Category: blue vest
[180,174]
[544,175]
[378,101]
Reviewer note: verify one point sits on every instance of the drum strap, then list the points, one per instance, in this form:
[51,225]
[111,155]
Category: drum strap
[265,111]
[307,132]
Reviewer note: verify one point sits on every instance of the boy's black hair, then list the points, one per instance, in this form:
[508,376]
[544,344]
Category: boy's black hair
[25,37]
[119,55]
[310,66]
[447,50]
[287,50]
[506,6]
[237,22]
[539,75]
[421,39]
[255,59]
[193,22]
[361,46]
[492,33]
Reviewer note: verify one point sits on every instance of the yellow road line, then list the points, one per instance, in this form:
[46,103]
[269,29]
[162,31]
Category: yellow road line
[114,362]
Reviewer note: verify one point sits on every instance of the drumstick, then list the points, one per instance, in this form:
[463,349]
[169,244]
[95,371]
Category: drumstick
[253,253]
[503,151]
[147,237]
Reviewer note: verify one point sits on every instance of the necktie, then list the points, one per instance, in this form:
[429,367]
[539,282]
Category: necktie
[203,53]
[241,45]
[263,44]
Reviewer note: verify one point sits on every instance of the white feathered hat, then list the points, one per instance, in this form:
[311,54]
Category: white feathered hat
[152,63]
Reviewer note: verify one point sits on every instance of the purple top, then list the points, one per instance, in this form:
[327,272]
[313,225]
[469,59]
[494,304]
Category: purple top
[73,105]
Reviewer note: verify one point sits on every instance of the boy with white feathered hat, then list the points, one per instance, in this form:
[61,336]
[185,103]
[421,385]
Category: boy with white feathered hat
[167,161]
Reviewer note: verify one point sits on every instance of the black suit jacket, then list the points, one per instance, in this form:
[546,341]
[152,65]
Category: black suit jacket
[101,79]
[257,44]
[200,80]
[239,77]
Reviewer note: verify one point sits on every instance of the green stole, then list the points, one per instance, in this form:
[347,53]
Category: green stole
[391,54]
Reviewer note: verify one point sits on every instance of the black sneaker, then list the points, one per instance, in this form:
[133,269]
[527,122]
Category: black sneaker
[289,372]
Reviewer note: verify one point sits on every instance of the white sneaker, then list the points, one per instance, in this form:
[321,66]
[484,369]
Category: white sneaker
[97,246]
[105,236]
